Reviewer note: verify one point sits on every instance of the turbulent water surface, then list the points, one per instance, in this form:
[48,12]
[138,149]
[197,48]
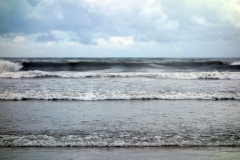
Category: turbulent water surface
[154,102]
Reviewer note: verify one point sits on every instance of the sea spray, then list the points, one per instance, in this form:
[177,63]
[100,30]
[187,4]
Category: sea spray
[6,66]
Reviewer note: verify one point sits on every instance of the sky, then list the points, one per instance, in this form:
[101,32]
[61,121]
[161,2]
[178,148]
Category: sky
[119,28]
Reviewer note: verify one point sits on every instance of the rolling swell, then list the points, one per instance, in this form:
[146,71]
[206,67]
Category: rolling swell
[159,75]
[129,66]
[205,66]
[80,66]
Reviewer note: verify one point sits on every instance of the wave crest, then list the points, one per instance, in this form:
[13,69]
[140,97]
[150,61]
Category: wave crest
[6,66]
[34,95]
[126,65]
[95,141]
[235,63]
[167,75]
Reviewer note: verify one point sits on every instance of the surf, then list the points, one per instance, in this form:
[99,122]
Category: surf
[6,66]
[94,96]
[119,65]
[158,75]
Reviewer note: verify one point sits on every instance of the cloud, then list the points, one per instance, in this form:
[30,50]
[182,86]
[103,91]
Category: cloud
[117,24]
[33,3]
[19,39]
[177,48]
[116,42]
[164,21]
[46,38]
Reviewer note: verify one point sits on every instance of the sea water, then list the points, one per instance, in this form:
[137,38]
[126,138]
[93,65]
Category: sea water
[119,102]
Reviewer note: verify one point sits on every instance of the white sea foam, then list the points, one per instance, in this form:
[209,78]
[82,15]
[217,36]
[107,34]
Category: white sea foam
[235,63]
[35,95]
[6,66]
[92,141]
[167,75]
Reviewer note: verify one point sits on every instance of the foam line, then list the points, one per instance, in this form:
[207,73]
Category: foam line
[166,75]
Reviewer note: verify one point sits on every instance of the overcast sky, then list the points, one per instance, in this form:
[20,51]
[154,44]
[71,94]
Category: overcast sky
[120,28]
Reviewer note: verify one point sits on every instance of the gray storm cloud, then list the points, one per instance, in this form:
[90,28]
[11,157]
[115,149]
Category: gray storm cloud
[88,21]
[161,21]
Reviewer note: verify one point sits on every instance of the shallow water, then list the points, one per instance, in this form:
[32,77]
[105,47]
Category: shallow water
[168,153]
[120,123]
[117,88]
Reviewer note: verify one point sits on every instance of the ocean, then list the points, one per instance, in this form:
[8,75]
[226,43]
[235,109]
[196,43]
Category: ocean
[119,102]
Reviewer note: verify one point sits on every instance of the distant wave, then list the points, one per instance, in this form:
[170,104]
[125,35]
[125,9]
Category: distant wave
[98,65]
[127,65]
[167,75]
[78,66]
[35,95]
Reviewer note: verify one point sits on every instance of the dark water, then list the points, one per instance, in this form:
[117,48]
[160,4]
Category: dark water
[128,64]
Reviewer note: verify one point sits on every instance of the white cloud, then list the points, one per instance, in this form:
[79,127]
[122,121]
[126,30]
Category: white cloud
[177,48]
[109,25]
[115,42]
[19,39]
[170,26]
[199,20]
[48,44]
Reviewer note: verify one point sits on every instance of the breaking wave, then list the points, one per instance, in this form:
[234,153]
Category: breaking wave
[6,66]
[235,63]
[79,65]
[120,141]
[89,96]
[167,75]
[127,65]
